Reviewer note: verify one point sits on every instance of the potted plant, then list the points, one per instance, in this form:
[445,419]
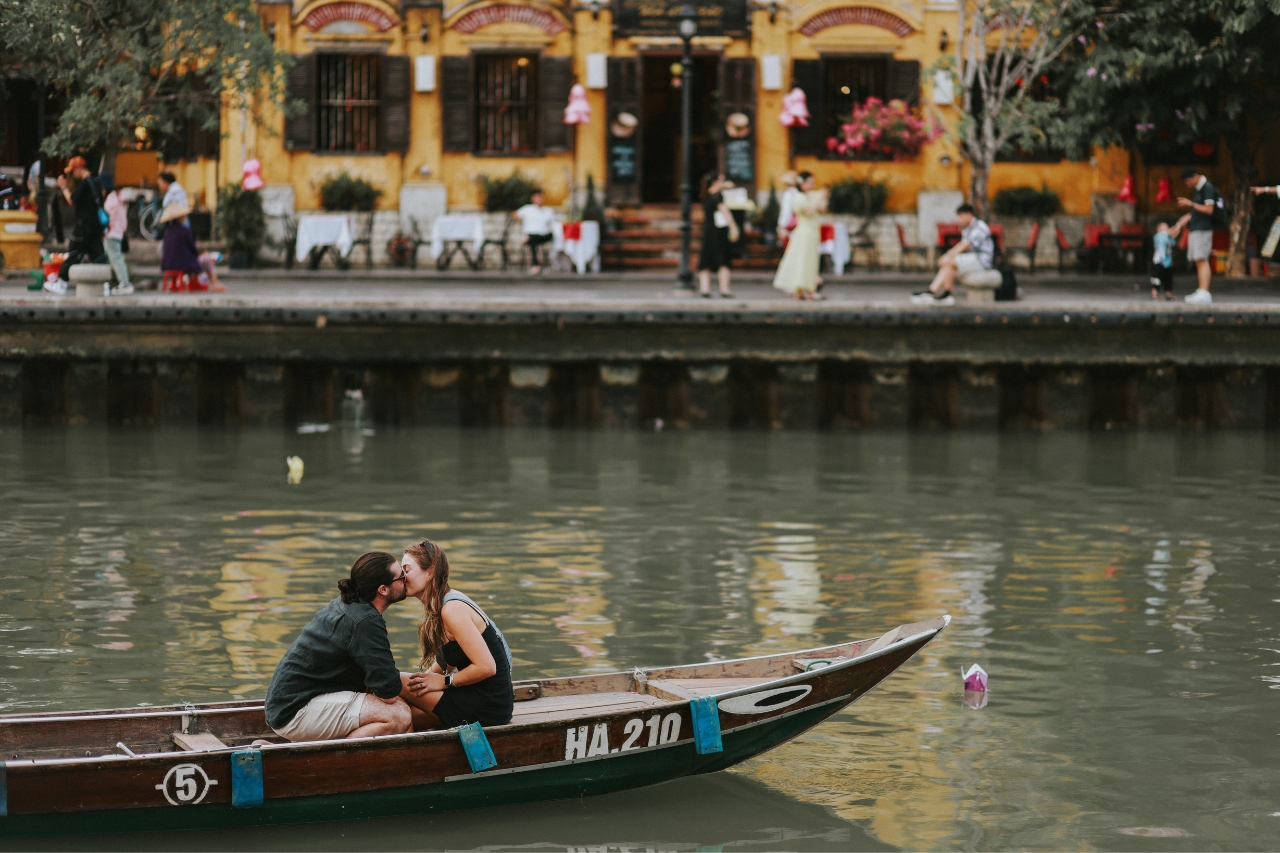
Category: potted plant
[504,195]
[591,210]
[342,192]
[769,217]
[241,224]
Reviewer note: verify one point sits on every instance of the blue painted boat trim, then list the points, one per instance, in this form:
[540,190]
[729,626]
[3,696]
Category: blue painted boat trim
[476,746]
[706,725]
[246,779]
[4,791]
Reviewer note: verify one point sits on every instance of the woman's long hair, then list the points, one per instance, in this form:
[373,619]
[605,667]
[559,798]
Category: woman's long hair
[370,571]
[431,557]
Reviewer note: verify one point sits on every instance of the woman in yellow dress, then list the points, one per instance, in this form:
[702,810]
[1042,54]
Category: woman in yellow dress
[798,272]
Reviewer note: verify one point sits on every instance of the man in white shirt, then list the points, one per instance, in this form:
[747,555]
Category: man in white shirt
[975,252]
[536,221]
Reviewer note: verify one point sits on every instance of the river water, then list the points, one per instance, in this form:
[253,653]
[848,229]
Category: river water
[1121,589]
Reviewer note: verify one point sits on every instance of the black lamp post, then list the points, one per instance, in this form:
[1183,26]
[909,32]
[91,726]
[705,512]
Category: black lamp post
[687,23]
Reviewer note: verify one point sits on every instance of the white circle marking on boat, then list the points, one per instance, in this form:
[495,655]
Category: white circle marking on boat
[185,784]
[765,700]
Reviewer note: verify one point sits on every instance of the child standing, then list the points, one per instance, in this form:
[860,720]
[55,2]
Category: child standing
[1162,259]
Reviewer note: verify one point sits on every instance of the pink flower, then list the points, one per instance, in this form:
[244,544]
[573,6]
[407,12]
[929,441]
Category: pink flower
[832,142]
[1091,72]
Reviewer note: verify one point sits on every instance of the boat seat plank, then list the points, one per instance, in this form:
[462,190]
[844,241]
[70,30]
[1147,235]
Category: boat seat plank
[698,687]
[198,742]
[566,707]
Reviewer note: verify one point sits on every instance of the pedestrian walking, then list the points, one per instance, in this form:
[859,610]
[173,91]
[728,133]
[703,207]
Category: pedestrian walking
[117,226]
[79,188]
[975,252]
[798,272]
[1207,210]
[719,233]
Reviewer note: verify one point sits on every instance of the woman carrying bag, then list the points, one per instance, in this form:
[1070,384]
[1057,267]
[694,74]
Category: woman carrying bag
[719,233]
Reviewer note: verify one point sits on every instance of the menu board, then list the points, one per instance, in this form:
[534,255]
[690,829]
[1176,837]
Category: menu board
[622,160]
[656,18]
[739,165]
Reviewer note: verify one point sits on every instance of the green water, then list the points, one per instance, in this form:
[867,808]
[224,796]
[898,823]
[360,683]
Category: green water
[1122,590]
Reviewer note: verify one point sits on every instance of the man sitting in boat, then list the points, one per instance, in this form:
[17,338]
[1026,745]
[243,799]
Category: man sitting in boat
[469,679]
[339,678]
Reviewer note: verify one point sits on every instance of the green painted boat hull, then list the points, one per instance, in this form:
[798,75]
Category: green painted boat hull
[562,781]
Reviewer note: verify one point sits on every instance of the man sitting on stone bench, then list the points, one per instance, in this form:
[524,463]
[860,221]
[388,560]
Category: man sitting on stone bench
[975,253]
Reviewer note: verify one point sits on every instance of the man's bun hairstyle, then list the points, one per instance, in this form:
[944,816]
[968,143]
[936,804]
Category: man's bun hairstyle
[368,572]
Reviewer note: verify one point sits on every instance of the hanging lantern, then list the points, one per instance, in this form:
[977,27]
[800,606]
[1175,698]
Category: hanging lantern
[1164,191]
[251,175]
[578,111]
[795,109]
[1126,190]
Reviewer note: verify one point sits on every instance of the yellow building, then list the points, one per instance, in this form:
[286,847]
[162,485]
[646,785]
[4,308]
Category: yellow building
[422,97]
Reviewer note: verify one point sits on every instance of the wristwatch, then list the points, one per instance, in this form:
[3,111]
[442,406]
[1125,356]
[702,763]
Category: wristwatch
[448,679]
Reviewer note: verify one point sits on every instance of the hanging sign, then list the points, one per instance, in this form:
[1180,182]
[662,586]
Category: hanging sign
[650,18]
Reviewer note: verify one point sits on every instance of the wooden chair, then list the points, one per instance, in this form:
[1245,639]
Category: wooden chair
[500,242]
[415,234]
[1090,253]
[1064,247]
[906,250]
[1030,249]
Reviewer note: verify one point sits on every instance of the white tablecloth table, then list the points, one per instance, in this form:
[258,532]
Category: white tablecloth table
[458,229]
[325,230]
[583,252]
[837,248]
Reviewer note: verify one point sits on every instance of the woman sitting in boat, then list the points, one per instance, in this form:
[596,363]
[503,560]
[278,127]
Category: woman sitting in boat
[469,679]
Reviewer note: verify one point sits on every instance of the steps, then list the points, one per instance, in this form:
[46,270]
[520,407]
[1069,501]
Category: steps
[648,238]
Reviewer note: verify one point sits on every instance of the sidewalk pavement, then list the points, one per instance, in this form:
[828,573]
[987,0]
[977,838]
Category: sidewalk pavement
[429,287]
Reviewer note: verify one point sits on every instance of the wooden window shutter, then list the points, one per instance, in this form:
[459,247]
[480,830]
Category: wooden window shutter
[300,129]
[623,96]
[394,108]
[458,103]
[806,74]
[738,95]
[555,79]
[903,81]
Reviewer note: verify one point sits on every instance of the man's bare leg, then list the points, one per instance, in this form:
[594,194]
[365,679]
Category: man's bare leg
[1204,272]
[379,717]
[945,279]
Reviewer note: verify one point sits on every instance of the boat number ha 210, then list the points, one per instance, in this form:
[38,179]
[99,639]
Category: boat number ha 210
[589,741]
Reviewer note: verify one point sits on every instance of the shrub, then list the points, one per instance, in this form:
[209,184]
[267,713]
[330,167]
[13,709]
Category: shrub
[772,210]
[506,194]
[241,222]
[861,198]
[1026,202]
[591,210]
[343,192]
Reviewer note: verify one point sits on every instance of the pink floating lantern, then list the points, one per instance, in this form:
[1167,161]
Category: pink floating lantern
[251,175]
[975,679]
[795,109]
[578,111]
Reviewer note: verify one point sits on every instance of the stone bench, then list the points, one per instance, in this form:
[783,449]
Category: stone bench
[89,279]
[981,286]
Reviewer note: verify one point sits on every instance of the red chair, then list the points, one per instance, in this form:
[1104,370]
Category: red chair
[1064,247]
[1030,249]
[905,250]
[948,234]
[997,234]
[176,282]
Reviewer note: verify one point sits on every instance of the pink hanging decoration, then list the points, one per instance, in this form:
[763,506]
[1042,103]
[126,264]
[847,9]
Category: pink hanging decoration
[1126,190]
[1164,191]
[251,175]
[578,111]
[795,109]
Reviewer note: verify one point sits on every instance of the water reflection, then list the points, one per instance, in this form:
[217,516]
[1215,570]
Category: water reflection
[1120,590]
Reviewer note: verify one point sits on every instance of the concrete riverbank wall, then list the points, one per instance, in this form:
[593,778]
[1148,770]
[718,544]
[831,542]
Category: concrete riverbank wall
[630,365]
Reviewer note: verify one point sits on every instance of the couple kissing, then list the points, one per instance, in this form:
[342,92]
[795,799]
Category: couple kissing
[339,679]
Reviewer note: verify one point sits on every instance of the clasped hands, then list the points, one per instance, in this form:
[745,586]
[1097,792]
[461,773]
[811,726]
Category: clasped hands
[422,683]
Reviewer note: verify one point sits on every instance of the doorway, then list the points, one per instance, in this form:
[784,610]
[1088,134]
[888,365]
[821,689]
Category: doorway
[661,160]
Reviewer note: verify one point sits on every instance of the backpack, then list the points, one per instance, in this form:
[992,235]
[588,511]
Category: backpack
[104,219]
[1008,289]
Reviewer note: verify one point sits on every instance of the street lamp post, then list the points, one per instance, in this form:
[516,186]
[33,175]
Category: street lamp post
[687,22]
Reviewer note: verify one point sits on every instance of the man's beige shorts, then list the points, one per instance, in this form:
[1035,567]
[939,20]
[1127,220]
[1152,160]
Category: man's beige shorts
[968,263]
[1199,245]
[328,716]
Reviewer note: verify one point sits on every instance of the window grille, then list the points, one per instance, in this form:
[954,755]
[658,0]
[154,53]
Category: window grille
[507,104]
[850,82]
[348,101]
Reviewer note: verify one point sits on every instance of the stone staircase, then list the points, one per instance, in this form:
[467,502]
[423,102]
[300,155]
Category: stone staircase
[648,238]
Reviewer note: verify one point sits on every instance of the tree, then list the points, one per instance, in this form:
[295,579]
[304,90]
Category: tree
[1002,52]
[161,65]
[1166,73]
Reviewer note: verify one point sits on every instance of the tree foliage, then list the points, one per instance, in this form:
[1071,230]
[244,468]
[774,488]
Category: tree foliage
[1001,54]
[157,64]
[1170,74]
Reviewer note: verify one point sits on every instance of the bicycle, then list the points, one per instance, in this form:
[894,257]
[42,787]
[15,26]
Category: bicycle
[145,217]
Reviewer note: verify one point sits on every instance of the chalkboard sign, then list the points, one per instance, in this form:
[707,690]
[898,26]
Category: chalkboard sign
[1273,239]
[622,160]
[657,18]
[739,164]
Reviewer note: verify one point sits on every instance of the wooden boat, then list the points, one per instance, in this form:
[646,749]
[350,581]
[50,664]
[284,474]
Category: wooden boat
[193,766]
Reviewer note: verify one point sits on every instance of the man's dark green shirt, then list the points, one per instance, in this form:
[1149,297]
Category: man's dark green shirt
[345,647]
